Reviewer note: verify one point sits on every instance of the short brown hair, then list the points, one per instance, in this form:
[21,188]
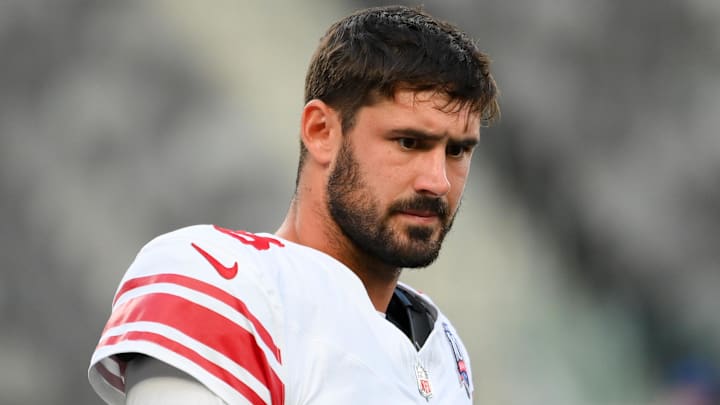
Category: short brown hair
[372,53]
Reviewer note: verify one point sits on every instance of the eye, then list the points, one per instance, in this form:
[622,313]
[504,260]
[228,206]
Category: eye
[456,150]
[408,143]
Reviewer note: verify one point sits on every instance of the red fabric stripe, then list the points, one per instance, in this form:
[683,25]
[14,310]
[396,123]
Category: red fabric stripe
[196,358]
[112,379]
[204,288]
[205,326]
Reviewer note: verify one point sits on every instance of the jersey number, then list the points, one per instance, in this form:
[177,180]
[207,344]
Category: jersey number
[256,241]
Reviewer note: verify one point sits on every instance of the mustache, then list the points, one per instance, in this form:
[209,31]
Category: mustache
[437,206]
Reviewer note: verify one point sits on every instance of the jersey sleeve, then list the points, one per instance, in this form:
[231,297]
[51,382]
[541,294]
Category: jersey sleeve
[194,301]
[150,381]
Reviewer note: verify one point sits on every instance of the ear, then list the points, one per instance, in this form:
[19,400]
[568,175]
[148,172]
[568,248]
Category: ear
[321,131]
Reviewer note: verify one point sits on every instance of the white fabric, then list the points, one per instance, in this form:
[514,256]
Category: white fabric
[152,382]
[293,326]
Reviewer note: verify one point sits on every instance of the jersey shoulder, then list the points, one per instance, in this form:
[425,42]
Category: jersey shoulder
[197,299]
[211,242]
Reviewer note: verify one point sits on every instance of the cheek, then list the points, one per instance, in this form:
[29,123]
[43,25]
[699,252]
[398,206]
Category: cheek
[458,179]
[387,169]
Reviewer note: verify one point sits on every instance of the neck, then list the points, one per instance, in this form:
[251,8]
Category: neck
[309,225]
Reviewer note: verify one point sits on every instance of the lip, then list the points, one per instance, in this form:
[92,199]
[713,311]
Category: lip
[420,216]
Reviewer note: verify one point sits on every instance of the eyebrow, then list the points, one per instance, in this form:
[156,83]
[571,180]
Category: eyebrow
[429,136]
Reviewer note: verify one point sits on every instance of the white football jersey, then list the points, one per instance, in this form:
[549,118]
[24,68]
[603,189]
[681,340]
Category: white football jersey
[261,320]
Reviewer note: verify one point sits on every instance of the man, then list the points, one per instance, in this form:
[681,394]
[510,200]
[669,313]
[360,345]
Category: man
[315,314]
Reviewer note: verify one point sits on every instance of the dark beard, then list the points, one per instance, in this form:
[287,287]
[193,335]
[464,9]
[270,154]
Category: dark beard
[357,215]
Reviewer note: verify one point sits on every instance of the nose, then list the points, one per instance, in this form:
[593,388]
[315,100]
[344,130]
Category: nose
[432,176]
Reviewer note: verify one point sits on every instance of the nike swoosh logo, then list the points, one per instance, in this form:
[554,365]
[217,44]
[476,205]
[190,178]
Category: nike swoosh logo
[224,271]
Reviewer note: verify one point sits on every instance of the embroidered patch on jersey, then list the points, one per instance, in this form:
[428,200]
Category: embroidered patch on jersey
[423,381]
[459,359]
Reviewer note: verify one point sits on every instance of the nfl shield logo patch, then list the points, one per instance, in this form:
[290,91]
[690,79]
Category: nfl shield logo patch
[423,381]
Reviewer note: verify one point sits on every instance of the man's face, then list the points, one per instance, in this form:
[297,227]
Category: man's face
[398,178]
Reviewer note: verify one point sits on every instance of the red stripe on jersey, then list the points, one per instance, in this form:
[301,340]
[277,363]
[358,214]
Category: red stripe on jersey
[196,358]
[204,325]
[207,289]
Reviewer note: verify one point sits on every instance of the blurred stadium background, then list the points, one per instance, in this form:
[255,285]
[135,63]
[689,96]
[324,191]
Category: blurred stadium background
[583,269]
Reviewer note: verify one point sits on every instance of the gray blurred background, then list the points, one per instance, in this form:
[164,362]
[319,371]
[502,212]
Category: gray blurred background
[582,270]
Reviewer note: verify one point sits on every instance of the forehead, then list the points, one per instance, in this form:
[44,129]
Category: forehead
[427,110]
